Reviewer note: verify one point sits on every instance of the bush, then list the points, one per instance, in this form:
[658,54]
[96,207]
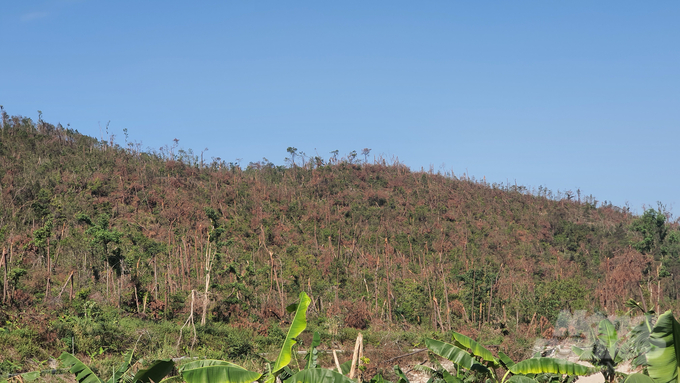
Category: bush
[357,315]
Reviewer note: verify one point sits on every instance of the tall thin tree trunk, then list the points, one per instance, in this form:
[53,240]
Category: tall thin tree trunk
[49,272]
[155,278]
[208,264]
[205,297]
[5,284]
[389,292]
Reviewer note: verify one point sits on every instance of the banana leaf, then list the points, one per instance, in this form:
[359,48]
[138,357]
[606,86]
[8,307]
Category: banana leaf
[664,356]
[207,363]
[122,369]
[297,326]
[448,378]
[346,367]
[154,373]
[319,375]
[82,372]
[521,379]
[640,340]
[608,337]
[585,355]
[505,360]
[400,374]
[30,376]
[220,373]
[446,350]
[285,373]
[552,366]
[313,353]
[638,378]
[476,348]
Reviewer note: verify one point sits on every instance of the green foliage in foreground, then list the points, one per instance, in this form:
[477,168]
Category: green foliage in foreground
[551,366]
[154,373]
[472,363]
[664,356]
[222,371]
[319,375]
[605,351]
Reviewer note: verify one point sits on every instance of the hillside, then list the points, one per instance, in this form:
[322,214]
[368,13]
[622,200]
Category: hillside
[91,229]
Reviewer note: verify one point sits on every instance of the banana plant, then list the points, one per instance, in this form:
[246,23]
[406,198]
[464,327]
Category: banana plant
[477,349]
[154,373]
[461,360]
[639,336]
[313,354]
[663,359]
[211,371]
[605,351]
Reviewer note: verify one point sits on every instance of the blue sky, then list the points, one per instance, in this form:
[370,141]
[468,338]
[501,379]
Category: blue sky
[563,94]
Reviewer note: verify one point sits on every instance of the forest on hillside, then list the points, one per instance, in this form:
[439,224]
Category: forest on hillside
[100,239]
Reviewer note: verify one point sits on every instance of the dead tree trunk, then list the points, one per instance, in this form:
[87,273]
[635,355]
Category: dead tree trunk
[209,255]
[5,285]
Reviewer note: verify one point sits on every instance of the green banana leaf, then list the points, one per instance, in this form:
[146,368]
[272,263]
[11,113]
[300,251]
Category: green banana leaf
[30,376]
[664,356]
[552,366]
[82,372]
[319,375]
[505,360]
[521,379]
[446,350]
[173,379]
[448,378]
[346,367]
[400,374]
[585,355]
[640,340]
[608,337]
[155,372]
[638,378]
[297,326]
[476,348]
[285,373]
[313,353]
[207,363]
[220,373]
[122,369]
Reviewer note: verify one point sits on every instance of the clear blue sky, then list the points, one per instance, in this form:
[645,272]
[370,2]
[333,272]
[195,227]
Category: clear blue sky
[563,94]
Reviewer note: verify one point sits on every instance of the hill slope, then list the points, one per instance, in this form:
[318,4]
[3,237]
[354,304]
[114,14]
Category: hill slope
[373,244]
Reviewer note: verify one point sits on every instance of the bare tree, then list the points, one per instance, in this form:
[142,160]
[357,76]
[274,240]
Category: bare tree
[365,153]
